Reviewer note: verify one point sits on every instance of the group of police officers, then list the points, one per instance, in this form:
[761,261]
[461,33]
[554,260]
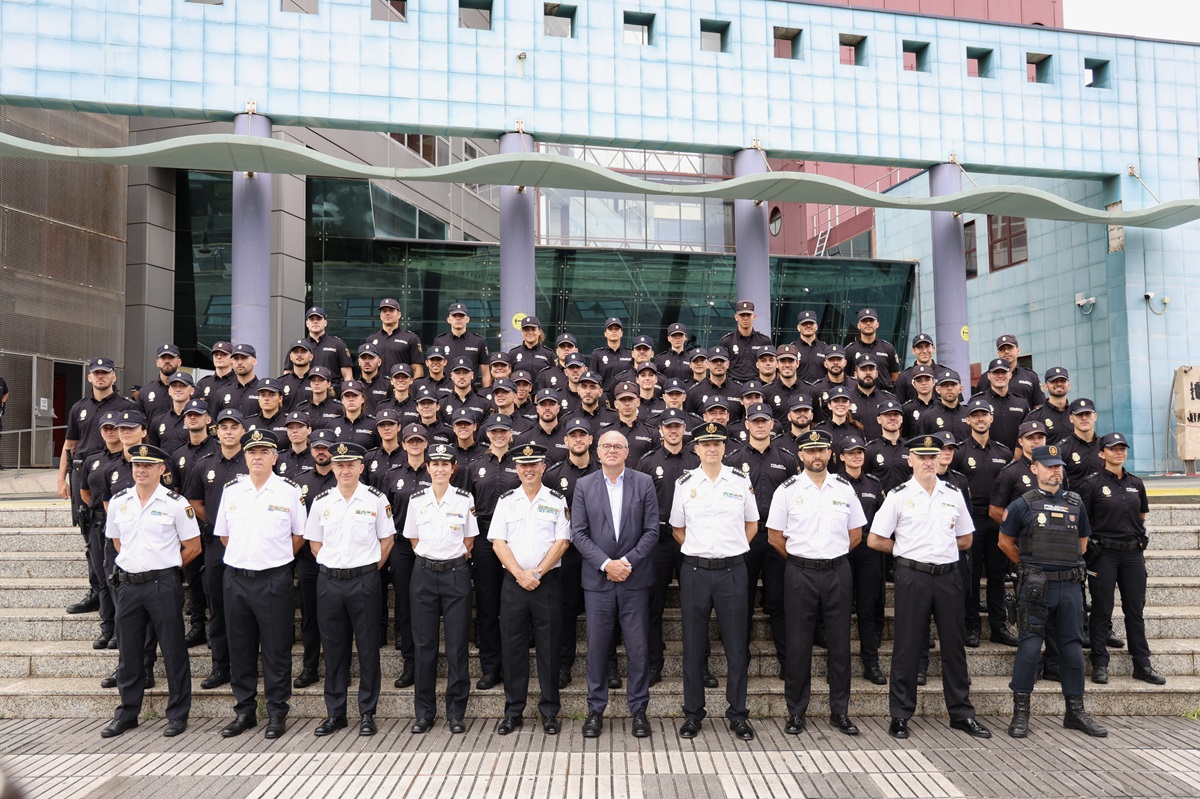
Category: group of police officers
[449,475]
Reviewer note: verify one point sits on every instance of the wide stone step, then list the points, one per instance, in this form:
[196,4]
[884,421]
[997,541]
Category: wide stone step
[42,539]
[1179,539]
[35,513]
[43,564]
[1174,563]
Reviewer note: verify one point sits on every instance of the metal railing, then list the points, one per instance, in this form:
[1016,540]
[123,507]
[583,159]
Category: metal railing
[27,431]
[833,215]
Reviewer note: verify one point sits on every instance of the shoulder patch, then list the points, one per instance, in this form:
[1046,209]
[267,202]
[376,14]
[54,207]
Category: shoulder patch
[329,490]
[872,478]
[234,480]
[683,478]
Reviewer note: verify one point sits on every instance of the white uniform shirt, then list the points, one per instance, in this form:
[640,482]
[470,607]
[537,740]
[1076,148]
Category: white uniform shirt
[714,512]
[260,523]
[926,525]
[815,522]
[150,535]
[349,530]
[441,527]
[530,528]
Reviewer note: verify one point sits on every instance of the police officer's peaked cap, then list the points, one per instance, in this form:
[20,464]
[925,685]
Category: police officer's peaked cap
[260,438]
[347,451]
[709,431]
[529,453]
[924,445]
[147,453]
[816,439]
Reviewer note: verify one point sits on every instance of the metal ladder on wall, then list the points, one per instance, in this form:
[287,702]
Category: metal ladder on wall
[822,240]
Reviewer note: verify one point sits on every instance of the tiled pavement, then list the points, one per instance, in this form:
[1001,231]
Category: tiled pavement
[1142,757]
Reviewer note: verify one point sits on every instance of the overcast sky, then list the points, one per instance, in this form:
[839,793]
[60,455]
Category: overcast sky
[1154,19]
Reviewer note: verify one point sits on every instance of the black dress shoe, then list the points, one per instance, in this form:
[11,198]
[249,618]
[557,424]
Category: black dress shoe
[399,643]
[407,677]
[1100,675]
[117,727]
[709,680]
[971,727]
[195,636]
[842,723]
[795,725]
[1001,635]
[276,726]
[110,681]
[488,681]
[112,642]
[1115,643]
[239,725]
[564,678]
[215,680]
[1148,674]
[102,640]
[550,725]
[874,674]
[972,639]
[641,725]
[366,725]
[89,604]
[510,725]
[689,729]
[656,676]
[898,728]
[174,727]
[306,678]
[457,727]
[614,678]
[149,683]
[922,678]
[422,726]
[742,729]
[593,726]
[330,725]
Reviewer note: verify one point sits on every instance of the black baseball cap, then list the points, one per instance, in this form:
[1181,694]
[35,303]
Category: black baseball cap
[168,349]
[316,310]
[1082,405]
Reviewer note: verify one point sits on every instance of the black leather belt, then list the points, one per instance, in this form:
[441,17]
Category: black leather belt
[441,565]
[1068,575]
[713,563]
[347,574]
[1120,544]
[816,564]
[145,577]
[258,573]
[928,568]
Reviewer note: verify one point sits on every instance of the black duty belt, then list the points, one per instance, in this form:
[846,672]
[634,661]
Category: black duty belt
[713,563]
[1120,544]
[347,574]
[1069,575]
[441,565]
[816,564]
[259,573]
[146,577]
[928,568]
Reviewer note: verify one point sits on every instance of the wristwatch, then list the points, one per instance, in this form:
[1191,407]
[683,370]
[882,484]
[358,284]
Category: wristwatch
[537,576]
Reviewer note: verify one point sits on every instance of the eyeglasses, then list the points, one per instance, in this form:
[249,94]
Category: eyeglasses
[613,447]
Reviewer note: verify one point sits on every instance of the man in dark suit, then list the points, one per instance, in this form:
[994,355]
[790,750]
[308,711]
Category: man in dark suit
[614,525]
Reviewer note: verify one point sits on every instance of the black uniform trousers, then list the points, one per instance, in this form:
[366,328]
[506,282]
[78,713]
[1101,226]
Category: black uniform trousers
[964,567]
[986,558]
[701,591]
[571,590]
[349,608]
[155,605]
[762,561]
[539,611]
[867,571]
[77,481]
[96,551]
[811,594]
[445,595]
[197,603]
[260,614]
[1064,600]
[917,595]
[667,561]
[149,638]
[488,575]
[1125,569]
[401,572]
[214,586]
[310,621]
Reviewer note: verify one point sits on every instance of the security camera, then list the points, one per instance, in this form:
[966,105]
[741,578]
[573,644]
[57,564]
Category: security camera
[1084,302]
[1149,295]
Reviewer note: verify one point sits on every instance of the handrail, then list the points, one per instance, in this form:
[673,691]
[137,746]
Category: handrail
[30,430]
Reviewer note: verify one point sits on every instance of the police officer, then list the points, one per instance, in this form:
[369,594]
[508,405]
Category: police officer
[922,350]
[532,354]
[887,456]
[1008,409]
[868,345]
[261,524]
[435,380]
[243,394]
[320,404]
[1117,505]
[867,566]
[154,398]
[295,377]
[1055,413]
[714,517]
[295,458]
[377,384]
[948,413]
[351,533]
[613,358]
[394,344]
[931,525]
[814,520]
[329,351]
[198,444]
[154,533]
[672,363]
[460,343]
[548,431]
[745,343]
[313,482]
[1045,532]
[810,349]
[1024,382]
[1080,447]
[440,523]
[96,470]
[211,388]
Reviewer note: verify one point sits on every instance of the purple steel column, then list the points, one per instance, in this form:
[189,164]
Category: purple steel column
[949,276]
[751,237]
[518,231]
[251,283]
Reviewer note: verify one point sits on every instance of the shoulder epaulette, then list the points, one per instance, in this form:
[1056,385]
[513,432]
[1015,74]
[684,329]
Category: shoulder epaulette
[558,494]
[896,489]
[421,491]
[738,471]
[841,478]
[871,477]
[461,491]
[508,493]
[289,481]
[173,495]
[236,478]
[121,493]
[329,490]
[375,491]
[789,481]
[683,478]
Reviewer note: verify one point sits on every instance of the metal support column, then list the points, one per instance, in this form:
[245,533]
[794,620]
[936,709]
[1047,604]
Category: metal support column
[518,233]
[949,276]
[752,239]
[251,283]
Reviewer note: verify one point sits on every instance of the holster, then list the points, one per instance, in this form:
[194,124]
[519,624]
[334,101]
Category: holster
[1010,599]
[1032,610]
[1094,546]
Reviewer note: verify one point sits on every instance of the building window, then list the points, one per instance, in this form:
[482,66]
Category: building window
[979,62]
[639,28]
[299,6]
[970,248]
[1037,68]
[209,2]
[560,20]
[1008,240]
[775,221]
[389,10]
[787,42]
[475,14]
[853,49]
[916,56]
[714,35]
[1095,73]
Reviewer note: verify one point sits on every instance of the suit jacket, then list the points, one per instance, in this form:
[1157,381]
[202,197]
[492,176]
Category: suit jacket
[593,534]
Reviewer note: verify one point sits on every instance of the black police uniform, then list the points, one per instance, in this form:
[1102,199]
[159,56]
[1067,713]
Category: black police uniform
[532,359]
[399,346]
[939,418]
[1025,384]
[438,388]
[880,351]
[377,390]
[153,398]
[277,424]
[700,393]
[562,477]
[296,389]
[1082,458]
[743,353]
[610,364]
[471,346]
[912,410]
[181,467]
[887,461]
[292,463]
[97,469]
[166,430]
[476,403]
[399,481]
[599,420]
[1007,414]
[865,408]
[1058,422]
[903,387]
[552,440]
[982,466]
[213,388]
[673,365]
[841,431]
[405,409]
[320,414]
[811,368]
[312,484]
[820,395]
[778,395]
[868,571]
[332,353]
[488,477]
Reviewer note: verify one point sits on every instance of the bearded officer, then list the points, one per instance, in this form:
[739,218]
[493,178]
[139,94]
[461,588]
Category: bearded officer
[149,525]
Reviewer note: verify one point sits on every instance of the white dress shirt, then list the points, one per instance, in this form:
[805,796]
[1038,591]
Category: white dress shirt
[714,512]
[350,530]
[150,534]
[260,523]
[441,527]
[926,525]
[815,522]
[530,527]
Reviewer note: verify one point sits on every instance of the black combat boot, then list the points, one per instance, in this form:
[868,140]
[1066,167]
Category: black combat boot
[1077,718]
[1019,727]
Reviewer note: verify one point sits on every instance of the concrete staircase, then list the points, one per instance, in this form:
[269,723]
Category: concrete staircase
[48,668]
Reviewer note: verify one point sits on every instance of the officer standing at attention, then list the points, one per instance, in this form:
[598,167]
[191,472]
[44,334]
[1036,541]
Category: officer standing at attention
[1117,505]
[440,523]
[867,567]
[931,525]
[530,532]
[1045,532]
[148,526]
[350,531]
[814,521]
[745,343]
[261,524]
[714,517]
[313,482]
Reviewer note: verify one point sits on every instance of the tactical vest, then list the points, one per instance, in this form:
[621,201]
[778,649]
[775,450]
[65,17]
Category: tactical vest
[1051,536]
